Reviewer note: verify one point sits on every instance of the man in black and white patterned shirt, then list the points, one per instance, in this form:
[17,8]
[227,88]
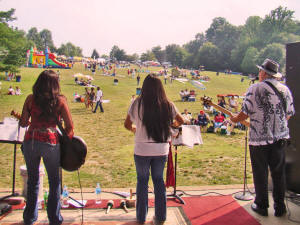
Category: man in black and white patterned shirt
[269,113]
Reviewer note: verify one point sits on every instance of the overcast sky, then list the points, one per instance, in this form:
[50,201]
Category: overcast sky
[133,25]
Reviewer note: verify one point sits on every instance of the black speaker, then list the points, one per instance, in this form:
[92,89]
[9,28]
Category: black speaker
[293,150]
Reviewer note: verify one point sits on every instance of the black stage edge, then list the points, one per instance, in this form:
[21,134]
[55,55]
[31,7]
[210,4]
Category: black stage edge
[293,150]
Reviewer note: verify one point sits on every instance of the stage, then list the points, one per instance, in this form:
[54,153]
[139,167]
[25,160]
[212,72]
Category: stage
[210,209]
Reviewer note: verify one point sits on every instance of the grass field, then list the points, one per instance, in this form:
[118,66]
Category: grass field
[220,160]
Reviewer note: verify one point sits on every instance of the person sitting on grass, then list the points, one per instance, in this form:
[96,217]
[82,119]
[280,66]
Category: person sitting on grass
[221,102]
[181,93]
[18,91]
[186,94]
[77,97]
[202,121]
[11,91]
[233,104]
[188,119]
[218,121]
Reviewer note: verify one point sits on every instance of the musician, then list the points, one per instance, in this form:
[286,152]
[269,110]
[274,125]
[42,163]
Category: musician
[269,115]
[44,107]
[152,115]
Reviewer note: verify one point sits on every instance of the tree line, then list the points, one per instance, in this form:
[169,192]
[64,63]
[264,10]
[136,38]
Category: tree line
[222,46]
[225,46]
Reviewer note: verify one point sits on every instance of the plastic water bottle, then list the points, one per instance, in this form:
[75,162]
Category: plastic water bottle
[65,197]
[98,194]
[45,199]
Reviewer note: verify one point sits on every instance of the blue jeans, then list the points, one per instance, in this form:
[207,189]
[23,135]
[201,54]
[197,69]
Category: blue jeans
[157,164]
[33,151]
[99,103]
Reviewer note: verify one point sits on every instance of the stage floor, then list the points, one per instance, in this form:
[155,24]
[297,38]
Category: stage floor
[176,214]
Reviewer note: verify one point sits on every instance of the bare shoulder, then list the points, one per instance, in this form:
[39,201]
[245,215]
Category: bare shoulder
[62,99]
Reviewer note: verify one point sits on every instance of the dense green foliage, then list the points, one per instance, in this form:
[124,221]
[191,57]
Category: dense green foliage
[238,48]
[13,44]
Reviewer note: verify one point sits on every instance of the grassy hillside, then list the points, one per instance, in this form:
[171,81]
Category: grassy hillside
[110,146]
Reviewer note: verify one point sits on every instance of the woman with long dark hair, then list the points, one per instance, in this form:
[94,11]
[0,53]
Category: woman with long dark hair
[41,111]
[152,115]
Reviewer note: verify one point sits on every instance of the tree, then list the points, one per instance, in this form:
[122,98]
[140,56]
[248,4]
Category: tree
[225,36]
[46,39]
[159,54]
[95,54]
[117,54]
[208,56]
[69,50]
[132,58]
[278,20]
[33,35]
[274,51]
[194,45]
[6,16]
[148,56]
[251,28]
[250,60]
[13,45]
[175,54]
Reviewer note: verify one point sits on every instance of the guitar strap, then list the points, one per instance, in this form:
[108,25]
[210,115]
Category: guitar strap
[279,94]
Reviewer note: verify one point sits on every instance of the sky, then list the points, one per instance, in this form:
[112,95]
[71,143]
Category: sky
[133,25]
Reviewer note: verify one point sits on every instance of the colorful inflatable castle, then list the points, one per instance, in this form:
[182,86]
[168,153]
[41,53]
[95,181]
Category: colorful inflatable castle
[44,60]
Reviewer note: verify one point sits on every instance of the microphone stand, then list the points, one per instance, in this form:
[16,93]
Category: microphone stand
[244,196]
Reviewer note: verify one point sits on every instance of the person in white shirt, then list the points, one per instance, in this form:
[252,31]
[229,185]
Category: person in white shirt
[99,95]
[11,91]
[187,117]
[18,91]
[152,115]
[233,104]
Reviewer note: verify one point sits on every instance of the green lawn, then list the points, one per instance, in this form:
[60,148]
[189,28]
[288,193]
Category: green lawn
[110,146]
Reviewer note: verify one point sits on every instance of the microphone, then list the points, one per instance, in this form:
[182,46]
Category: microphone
[110,204]
[123,205]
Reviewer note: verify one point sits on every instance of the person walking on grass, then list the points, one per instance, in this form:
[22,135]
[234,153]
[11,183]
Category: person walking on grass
[269,104]
[41,111]
[99,96]
[150,117]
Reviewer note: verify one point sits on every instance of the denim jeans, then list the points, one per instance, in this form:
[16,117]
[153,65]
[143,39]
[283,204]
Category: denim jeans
[33,151]
[99,103]
[143,165]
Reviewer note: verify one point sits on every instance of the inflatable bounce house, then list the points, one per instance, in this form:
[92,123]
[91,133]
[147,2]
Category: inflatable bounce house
[44,60]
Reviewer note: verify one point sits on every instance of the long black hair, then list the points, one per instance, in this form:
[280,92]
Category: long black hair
[157,110]
[45,93]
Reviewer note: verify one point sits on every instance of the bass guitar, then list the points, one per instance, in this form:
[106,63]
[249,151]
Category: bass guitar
[72,151]
[207,100]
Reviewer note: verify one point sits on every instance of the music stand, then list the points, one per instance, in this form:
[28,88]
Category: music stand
[244,196]
[11,133]
[174,194]
[190,136]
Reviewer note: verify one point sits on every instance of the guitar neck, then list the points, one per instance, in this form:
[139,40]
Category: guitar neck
[226,111]
[220,108]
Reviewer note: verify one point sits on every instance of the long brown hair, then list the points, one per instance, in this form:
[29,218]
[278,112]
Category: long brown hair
[45,93]
[157,110]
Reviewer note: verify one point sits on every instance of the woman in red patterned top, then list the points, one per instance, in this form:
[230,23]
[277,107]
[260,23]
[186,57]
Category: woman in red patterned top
[41,111]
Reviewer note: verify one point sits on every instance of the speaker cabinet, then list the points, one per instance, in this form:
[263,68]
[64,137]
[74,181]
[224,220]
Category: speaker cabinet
[293,151]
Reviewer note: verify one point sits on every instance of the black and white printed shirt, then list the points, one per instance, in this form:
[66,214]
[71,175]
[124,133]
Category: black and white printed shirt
[268,121]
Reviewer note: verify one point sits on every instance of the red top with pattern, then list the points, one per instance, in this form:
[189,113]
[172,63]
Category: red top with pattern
[41,129]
